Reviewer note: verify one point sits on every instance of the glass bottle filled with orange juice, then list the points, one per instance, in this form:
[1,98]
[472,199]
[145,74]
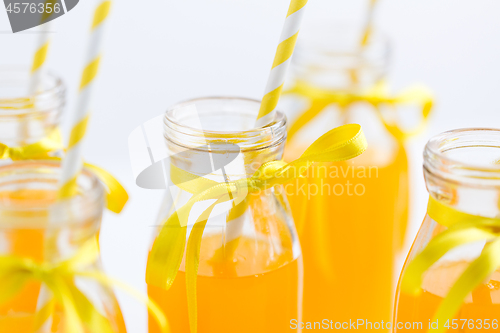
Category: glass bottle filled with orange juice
[351,216]
[29,120]
[451,278]
[249,274]
[48,254]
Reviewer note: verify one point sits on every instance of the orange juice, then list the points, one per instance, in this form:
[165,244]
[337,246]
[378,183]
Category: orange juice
[28,243]
[480,310]
[348,232]
[17,314]
[255,291]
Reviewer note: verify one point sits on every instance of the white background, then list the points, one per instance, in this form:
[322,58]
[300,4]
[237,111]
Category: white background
[161,52]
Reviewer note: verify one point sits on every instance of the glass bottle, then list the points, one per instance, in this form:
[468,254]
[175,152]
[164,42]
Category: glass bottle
[352,217]
[27,118]
[30,230]
[461,172]
[249,277]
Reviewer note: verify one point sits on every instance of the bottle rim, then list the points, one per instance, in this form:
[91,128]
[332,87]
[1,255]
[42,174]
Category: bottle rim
[337,47]
[477,168]
[179,130]
[51,95]
[44,175]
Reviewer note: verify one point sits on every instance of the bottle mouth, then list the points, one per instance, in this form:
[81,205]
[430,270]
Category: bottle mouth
[198,122]
[328,54]
[468,156]
[28,198]
[16,99]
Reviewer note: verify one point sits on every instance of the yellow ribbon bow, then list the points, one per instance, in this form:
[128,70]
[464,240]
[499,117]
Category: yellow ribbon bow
[80,314]
[116,195]
[462,229]
[377,96]
[165,258]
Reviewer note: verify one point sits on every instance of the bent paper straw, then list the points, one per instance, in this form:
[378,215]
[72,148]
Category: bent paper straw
[281,62]
[72,163]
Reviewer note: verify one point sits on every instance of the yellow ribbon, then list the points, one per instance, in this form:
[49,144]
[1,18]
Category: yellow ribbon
[80,314]
[37,150]
[377,96]
[116,194]
[165,258]
[462,229]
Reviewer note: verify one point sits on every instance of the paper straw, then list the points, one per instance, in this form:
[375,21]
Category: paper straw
[369,23]
[274,86]
[365,38]
[37,67]
[72,162]
[281,62]
[36,73]
[39,60]
[43,45]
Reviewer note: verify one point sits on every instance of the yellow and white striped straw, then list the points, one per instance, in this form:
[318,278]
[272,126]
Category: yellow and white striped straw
[39,60]
[36,73]
[281,62]
[72,162]
[369,23]
[38,65]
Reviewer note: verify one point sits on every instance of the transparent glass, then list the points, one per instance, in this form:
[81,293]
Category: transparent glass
[461,169]
[249,277]
[30,229]
[25,117]
[351,216]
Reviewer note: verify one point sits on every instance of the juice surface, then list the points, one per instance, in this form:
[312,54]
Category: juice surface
[349,233]
[256,291]
[18,313]
[480,310]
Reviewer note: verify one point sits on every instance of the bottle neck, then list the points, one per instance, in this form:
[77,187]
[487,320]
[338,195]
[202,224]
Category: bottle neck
[217,138]
[349,74]
[461,170]
[338,62]
[34,224]
[24,131]
[27,117]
